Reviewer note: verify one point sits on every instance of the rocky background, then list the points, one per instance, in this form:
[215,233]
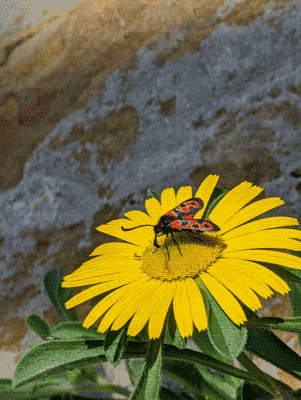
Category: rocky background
[102,101]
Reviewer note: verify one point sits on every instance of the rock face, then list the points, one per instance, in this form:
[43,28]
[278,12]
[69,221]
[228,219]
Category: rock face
[107,100]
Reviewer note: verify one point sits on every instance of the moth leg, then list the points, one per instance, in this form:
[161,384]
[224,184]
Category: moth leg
[156,244]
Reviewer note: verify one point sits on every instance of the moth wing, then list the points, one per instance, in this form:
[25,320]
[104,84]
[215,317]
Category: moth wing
[204,226]
[188,208]
[196,225]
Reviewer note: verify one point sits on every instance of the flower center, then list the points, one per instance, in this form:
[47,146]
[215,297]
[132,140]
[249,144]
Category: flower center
[197,253]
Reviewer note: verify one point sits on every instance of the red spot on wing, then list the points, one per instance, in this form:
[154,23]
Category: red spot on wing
[176,224]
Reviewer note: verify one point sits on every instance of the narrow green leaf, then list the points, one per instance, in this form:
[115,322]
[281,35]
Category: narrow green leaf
[199,380]
[295,299]
[172,333]
[151,193]
[169,394]
[56,356]
[115,343]
[268,346]
[282,324]
[148,386]
[58,295]
[75,330]
[43,389]
[215,198]
[143,335]
[38,325]
[95,300]
[263,379]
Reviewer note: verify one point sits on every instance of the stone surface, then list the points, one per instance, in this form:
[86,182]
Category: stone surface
[103,101]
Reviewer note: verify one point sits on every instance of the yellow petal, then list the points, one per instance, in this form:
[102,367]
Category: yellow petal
[198,310]
[92,280]
[159,313]
[224,298]
[139,217]
[244,270]
[230,204]
[251,211]
[205,191]
[95,290]
[125,303]
[182,310]
[103,267]
[146,307]
[120,276]
[168,200]
[265,274]
[269,256]
[236,284]
[268,234]
[262,224]
[154,209]
[109,300]
[228,200]
[149,288]
[118,250]
[141,236]
[268,242]
[184,193]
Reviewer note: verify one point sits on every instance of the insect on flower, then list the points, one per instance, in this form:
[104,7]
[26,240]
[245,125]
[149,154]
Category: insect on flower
[178,219]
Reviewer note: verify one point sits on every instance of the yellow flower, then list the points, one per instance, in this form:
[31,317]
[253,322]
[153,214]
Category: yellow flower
[143,283]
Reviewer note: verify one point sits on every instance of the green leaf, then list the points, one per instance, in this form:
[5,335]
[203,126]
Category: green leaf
[268,346]
[38,325]
[75,376]
[56,356]
[219,381]
[134,368]
[172,333]
[169,394]
[48,388]
[282,324]
[143,335]
[75,330]
[115,343]
[95,300]
[58,295]
[79,375]
[199,380]
[148,385]
[215,198]
[151,193]
[295,299]
[227,338]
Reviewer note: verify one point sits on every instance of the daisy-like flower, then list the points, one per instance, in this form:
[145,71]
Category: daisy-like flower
[143,283]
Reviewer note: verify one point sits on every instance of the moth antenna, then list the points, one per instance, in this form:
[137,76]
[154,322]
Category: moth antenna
[130,229]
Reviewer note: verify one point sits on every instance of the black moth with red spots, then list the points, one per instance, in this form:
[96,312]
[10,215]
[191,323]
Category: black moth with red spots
[181,218]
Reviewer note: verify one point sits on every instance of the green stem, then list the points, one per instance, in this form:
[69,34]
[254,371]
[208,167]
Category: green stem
[262,379]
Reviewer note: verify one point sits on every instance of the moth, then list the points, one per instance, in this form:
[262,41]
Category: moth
[178,219]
